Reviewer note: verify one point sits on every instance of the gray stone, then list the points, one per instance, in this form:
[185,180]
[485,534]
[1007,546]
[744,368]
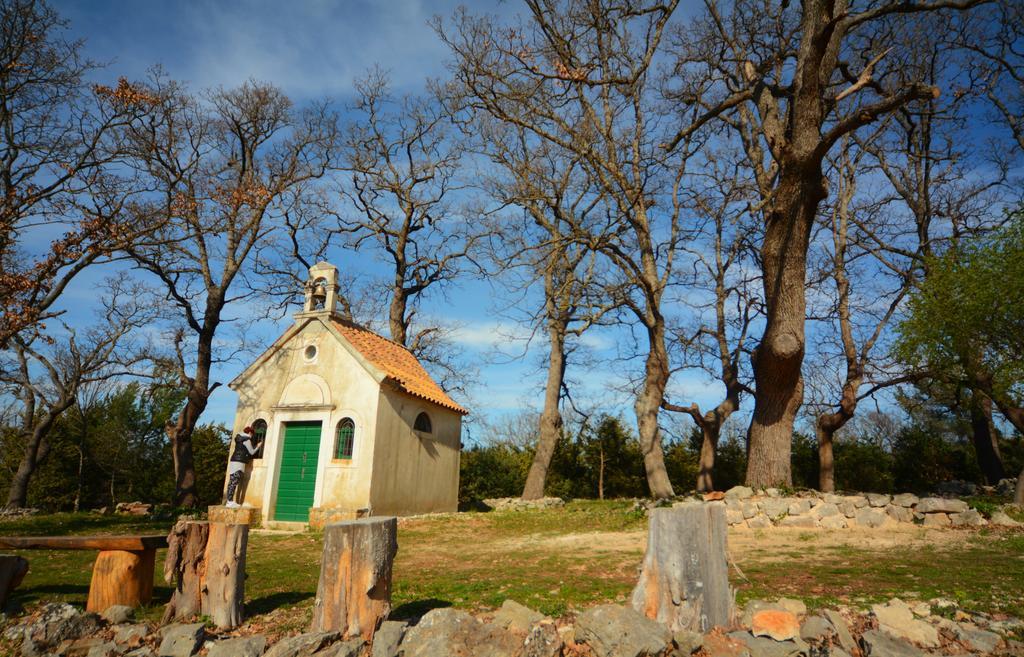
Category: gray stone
[739,493]
[848,509]
[798,521]
[243,646]
[748,509]
[614,631]
[968,518]
[350,648]
[760,521]
[454,632]
[906,500]
[775,508]
[878,500]
[937,520]
[797,507]
[815,627]
[180,640]
[825,510]
[117,614]
[543,641]
[516,618]
[144,651]
[131,635]
[880,644]
[858,501]
[105,649]
[764,647]
[979,640]
[733,516]
[754,606]
[870,517]
[833,522]
[842,630]
[772,492]
[832,498]
[387,638]
[1000,519]
[900,513]
[940,505]
[58,622]
[687,642]
[793,606]
[302,645]
[896,618]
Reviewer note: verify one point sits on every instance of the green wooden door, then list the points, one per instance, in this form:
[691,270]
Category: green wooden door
[297,481]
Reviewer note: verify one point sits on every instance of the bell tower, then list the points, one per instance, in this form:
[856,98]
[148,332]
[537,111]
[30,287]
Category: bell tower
[321,290]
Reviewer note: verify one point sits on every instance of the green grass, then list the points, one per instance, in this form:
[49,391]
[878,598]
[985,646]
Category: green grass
[566,559]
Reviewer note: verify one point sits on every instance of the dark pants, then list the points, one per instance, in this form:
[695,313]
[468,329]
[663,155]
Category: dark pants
[233,482]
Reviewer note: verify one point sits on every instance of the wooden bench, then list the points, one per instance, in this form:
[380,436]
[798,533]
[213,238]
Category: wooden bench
[123,572]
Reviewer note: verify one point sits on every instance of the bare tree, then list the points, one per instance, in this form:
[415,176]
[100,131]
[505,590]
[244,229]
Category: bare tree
[558,200]
[402,158]
[46,374]
[220,175]
[57,156]
[792,82]
[578,75]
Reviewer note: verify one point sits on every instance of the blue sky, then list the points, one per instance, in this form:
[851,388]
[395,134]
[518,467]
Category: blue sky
[313,50]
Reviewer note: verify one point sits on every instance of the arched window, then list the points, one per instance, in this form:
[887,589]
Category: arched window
[259,434]
[422,423]
[344,439]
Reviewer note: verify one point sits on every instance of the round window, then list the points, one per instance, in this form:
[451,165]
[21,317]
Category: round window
[310,352]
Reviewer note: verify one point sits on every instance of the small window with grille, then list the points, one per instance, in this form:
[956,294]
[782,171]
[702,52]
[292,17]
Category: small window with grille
[344,441]
[259,434]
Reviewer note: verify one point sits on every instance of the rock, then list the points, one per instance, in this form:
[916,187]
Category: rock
[775,508]
[842,629]
[968,518]
[772,492]
[105,649]
[797,507]
[387,638]
[979,640]
[720,645]
[833,522]
[131,635]
[848,509]
[181,640]
[516,618]
[739,493]
[613,631]
[543,641]
[453,632]
[733,516]
[760,521]
[687,642]
[858,501]
[922,610]
[1006,487]
[765,647]
[754,606]
[937,520]
[519,504]
[940,505]
[793,606]
[140,652]
[713,496]
[815,628]
[957,487]
[870,517]
[880,644]
[117,614]
[748,509]
[899,513]
[134,508]
[57,623]
[832,498]
[825,510]
[905,500]
[878,500]
[243,646]
[1000,519]
[302,645]
[896,618]
[779,625]
[350,648]
[798,521]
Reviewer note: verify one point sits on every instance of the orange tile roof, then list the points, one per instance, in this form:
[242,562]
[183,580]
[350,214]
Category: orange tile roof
[397,363]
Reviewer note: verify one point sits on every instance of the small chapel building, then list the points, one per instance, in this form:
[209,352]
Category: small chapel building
[353,424]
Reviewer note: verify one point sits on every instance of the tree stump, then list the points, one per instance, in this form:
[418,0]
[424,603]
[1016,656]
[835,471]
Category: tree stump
[224,588]
[12,571]
[185,565]
[121,577]
[354,593]
[684,582]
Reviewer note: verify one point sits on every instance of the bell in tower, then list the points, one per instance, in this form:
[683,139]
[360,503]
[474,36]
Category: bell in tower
[322,289]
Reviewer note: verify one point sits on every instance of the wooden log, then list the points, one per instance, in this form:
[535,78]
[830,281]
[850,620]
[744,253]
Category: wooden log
[185,566]
[684,582]
[121,577]
[224,587]
[129,543]
[12,572]
[354,593]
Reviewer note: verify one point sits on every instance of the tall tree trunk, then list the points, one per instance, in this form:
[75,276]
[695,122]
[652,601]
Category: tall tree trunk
[398,324]
[550,425]
[180,431]
[1015,414]
[779,357]
[708,449]
[983,435]
[37,447]
[648,403]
